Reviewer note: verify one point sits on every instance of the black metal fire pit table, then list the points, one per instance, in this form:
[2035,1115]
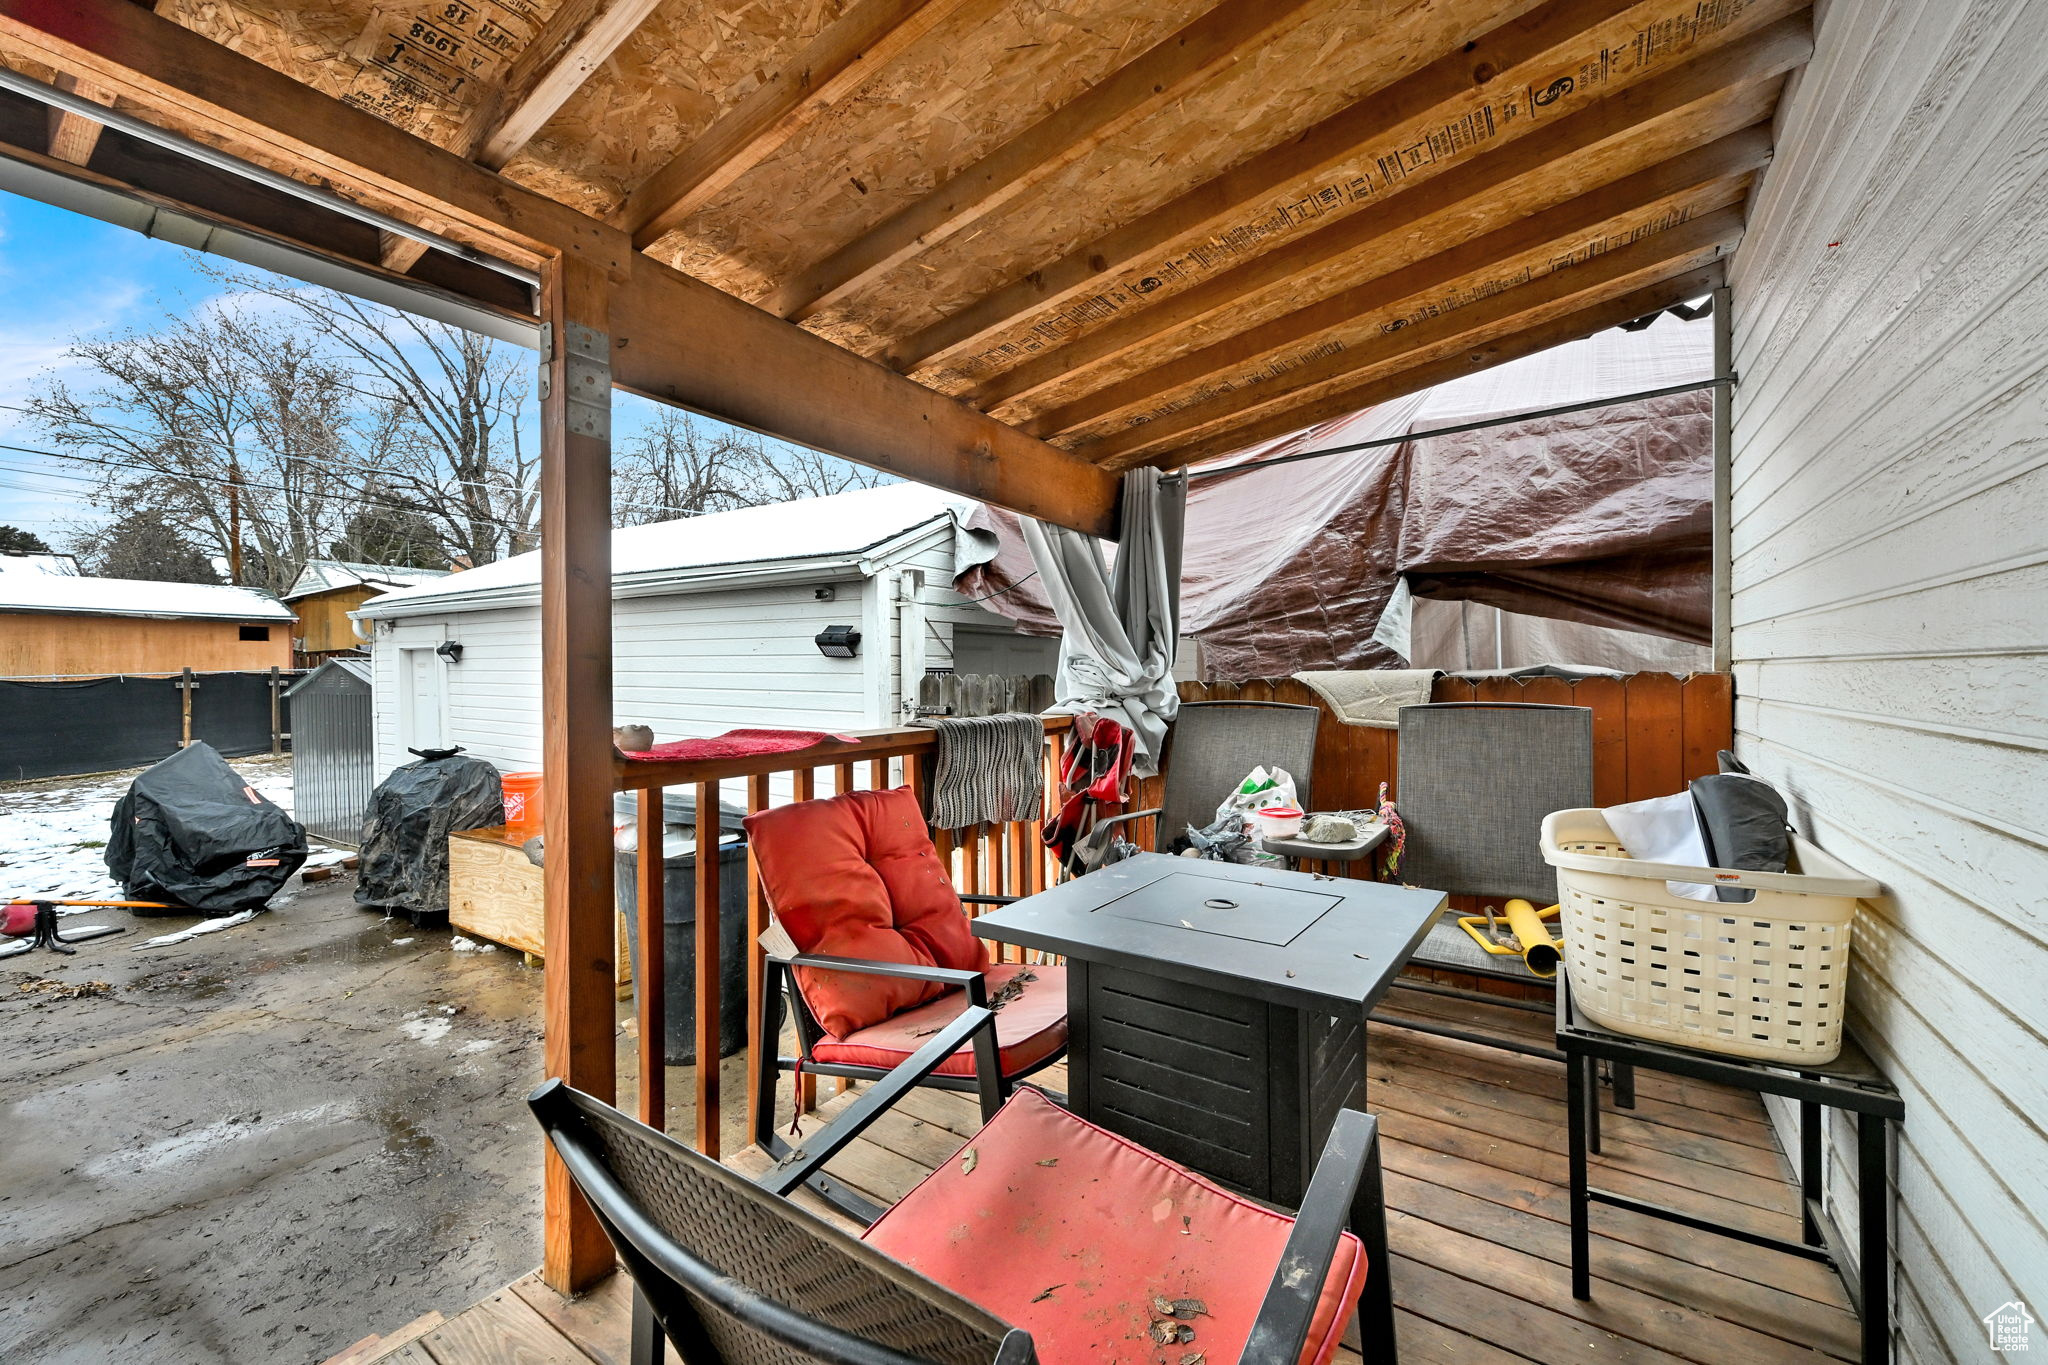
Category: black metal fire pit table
[1216,1013]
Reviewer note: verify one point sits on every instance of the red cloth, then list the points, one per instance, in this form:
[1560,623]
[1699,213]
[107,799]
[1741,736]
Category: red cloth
[737,744]
[1074,1252]
[856,876]
[1029,1029]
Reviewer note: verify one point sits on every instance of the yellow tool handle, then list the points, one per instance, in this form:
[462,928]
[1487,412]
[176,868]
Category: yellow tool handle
[1540,952]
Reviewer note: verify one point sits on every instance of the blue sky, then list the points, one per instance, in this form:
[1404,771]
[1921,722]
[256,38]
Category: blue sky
[63,276]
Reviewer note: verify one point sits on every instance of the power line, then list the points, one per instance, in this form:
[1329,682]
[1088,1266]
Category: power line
[370,498]
[355,466]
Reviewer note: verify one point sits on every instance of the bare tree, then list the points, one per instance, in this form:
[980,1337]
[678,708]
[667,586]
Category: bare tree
[797,472]
[447,405]
[283,423]
[229,425]
[681,465]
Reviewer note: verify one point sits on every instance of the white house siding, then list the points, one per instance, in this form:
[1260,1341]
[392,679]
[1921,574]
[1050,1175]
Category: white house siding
[1891,597]
[687,664]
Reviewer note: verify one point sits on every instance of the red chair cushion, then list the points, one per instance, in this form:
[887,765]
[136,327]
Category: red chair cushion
[1029,1028]
[856,876]
[1075,1252]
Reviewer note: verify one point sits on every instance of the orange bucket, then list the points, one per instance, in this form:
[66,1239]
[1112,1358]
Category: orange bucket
[522,800]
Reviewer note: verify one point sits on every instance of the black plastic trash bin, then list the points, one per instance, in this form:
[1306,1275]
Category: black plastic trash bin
[679,945]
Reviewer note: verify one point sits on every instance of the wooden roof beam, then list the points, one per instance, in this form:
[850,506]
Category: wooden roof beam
[576,39]
[73,136]
[1529,50]
[674,337]
[1511,344]
[1720,170]
[1698,91]
[1136,89]
[1673,251]
[863,40]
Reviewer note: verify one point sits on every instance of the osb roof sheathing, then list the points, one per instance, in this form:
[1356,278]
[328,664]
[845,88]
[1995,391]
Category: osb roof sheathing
[987,72]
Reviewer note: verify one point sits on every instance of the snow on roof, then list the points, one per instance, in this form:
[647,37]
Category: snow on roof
[841,525]
[324,575]
[137,597]
[39,564]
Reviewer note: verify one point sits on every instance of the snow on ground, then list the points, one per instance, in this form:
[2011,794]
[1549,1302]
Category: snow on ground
[53,832]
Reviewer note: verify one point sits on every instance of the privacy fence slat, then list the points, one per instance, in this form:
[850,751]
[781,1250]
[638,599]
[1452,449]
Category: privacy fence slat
[708,973]
[757,956]
[93,725]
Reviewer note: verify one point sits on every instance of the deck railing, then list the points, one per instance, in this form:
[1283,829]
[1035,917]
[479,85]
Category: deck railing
[1651,733]
[992,860]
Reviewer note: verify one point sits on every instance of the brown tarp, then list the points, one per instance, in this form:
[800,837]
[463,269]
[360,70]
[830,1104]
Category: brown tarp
[1602,516]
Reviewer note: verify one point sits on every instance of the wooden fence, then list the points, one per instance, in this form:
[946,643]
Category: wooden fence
[1652,732]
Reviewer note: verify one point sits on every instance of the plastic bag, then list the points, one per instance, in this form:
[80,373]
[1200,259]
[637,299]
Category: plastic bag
[1228,838]
[1261,787]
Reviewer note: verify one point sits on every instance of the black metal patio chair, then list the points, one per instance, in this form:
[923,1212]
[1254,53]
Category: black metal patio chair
[1211,747]
[1476,780]
[731,1271]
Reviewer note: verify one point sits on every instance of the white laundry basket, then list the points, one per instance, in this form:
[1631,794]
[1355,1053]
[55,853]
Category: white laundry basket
[1764,979]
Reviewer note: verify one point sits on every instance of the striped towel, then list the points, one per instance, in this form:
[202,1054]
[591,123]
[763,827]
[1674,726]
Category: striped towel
[990,770]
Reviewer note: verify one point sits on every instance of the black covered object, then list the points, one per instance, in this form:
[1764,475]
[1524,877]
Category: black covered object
[404,858]
[193,832]
[1745,825]
[679,945]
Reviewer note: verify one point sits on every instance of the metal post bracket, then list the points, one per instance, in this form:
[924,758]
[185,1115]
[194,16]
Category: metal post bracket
[588,371]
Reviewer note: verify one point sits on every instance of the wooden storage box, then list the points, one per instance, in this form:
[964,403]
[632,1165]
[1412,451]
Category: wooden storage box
[495,893]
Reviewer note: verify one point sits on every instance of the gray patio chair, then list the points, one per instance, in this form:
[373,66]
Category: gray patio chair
[1212,746]
[1476,780]
[729,1270]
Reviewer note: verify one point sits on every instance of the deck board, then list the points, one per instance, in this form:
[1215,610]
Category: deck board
[1474,1147]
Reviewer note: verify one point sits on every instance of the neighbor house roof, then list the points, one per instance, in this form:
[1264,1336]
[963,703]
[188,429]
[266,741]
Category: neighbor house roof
[39,564]
[325,575]
[808,535]
[137,597]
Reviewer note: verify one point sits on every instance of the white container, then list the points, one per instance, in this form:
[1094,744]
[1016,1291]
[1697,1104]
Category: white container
[1278,822]
[1765,979]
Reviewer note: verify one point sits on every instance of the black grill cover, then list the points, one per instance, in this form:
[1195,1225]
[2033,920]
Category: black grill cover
[406,826]
[192,831]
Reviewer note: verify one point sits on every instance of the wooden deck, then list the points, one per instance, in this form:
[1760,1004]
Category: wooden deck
[1475,1157]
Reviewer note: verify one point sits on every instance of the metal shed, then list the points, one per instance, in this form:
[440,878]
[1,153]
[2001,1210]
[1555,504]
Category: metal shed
[333,749]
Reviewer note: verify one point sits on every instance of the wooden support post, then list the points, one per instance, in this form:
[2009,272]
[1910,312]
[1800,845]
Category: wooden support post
[276,713]
[707,969]
[576,720]
[757,965]
[185,686]
[650,983]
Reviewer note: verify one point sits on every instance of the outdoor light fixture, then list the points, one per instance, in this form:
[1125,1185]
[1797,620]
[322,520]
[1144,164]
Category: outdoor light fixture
[451,650]
[838,642]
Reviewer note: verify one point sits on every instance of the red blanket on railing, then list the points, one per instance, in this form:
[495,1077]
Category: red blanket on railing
[736,744]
